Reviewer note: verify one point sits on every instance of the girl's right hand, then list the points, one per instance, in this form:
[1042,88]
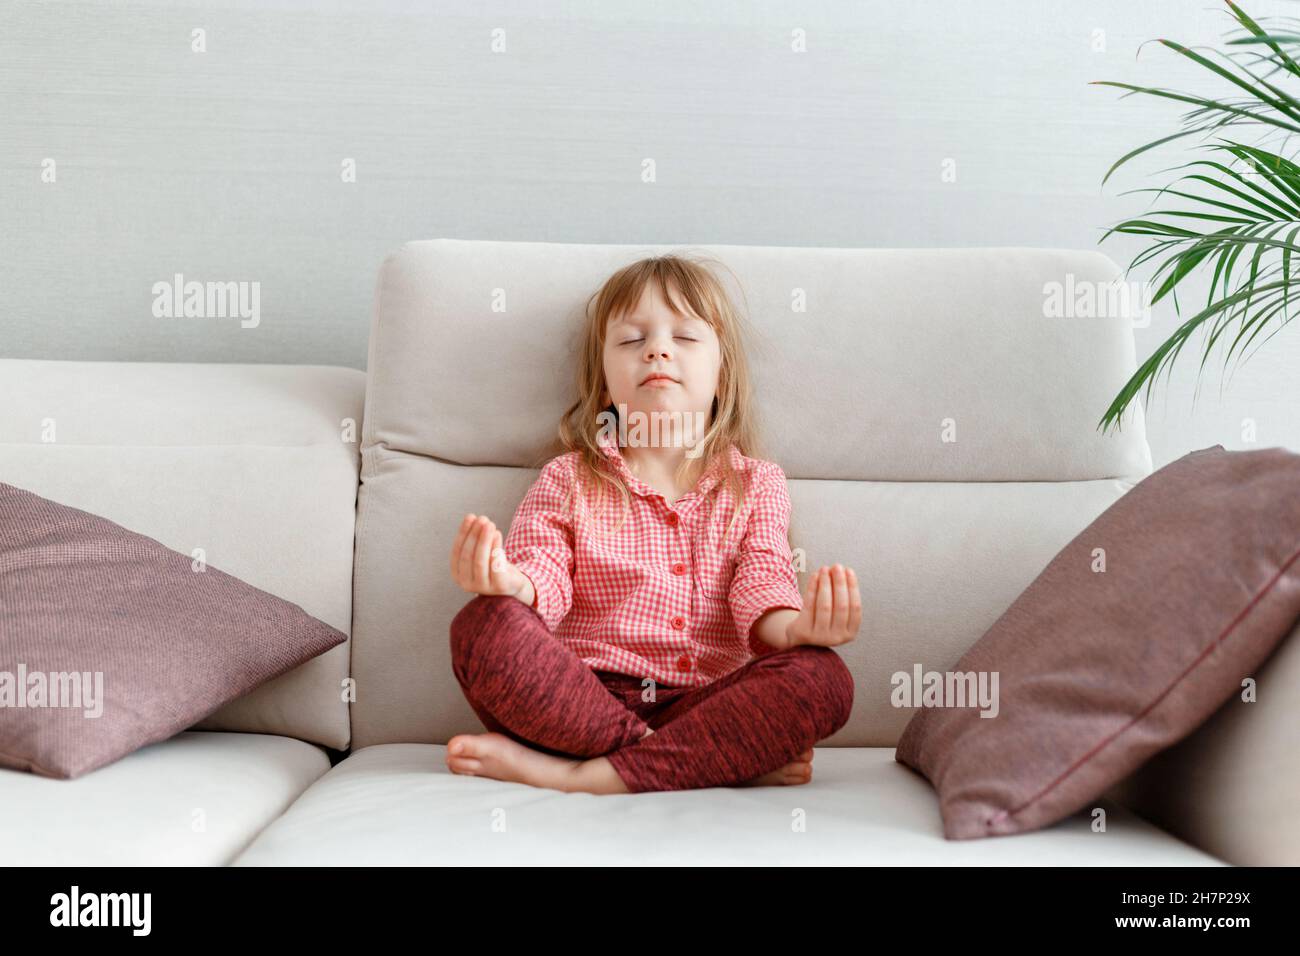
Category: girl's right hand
[478,562]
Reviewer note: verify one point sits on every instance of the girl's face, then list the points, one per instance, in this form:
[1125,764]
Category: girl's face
[650,339]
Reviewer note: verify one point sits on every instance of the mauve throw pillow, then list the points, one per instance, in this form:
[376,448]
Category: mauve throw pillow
[1100,669]
[110,641]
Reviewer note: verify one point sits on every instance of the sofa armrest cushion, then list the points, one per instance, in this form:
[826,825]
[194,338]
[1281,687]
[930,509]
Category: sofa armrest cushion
[110,641]
[1134,634]
[1232,787]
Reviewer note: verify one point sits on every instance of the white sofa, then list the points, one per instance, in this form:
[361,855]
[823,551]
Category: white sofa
[275,472]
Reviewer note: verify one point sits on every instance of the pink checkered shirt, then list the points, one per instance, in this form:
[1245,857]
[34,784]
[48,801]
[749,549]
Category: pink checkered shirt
[667,596]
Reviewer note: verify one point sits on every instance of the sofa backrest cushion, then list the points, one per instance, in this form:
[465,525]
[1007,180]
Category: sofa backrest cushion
[935,415]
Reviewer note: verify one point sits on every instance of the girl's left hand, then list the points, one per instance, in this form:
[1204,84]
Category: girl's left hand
[832,609]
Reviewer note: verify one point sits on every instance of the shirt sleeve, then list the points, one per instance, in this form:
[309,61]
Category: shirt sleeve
[540,542]
[765,576]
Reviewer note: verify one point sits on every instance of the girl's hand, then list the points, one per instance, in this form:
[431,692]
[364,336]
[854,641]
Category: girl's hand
[478,562]
[832,609]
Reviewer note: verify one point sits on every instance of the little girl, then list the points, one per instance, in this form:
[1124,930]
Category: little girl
[673,650]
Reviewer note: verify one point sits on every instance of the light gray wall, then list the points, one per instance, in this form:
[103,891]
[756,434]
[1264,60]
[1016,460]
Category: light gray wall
[225,165]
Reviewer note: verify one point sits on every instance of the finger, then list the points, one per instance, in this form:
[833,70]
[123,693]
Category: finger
[481,553]
[498,555]
[810,595]
[814,591]
[855,603]
[467,552]
[809,599]
[840,594]
[824,597]
[457,547]
[459,543]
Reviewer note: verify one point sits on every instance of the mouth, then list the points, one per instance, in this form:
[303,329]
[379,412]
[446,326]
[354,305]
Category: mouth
[659,377]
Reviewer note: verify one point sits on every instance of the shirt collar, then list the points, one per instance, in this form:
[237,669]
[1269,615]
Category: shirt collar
[711,476]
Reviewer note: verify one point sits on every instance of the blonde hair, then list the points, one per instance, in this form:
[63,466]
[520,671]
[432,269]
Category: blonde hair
[734,416]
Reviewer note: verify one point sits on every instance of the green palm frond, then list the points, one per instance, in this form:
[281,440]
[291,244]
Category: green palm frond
[1239,216]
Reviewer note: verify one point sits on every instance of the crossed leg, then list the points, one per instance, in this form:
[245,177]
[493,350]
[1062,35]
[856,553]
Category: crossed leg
[743,726]
[530,688]
[672,702]
[555,724]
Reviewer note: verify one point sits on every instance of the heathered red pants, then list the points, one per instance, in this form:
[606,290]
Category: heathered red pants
[524,683]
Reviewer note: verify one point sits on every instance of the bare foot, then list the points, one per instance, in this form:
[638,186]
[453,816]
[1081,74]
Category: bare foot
[796,772]
[497,756]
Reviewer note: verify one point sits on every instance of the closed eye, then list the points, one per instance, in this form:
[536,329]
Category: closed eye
[684,338]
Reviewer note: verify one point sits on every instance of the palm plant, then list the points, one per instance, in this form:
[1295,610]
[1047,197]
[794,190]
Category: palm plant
[1242,199]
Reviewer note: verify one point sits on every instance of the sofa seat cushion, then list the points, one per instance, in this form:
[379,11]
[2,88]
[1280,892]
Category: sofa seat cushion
[398,804]
[195,799]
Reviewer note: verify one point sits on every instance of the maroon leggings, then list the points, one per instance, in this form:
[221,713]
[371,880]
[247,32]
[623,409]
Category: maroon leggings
[524,683]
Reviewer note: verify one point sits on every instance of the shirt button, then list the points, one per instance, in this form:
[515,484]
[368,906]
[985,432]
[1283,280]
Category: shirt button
[683,663]
[679,568]
[679,622]
[672,518]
